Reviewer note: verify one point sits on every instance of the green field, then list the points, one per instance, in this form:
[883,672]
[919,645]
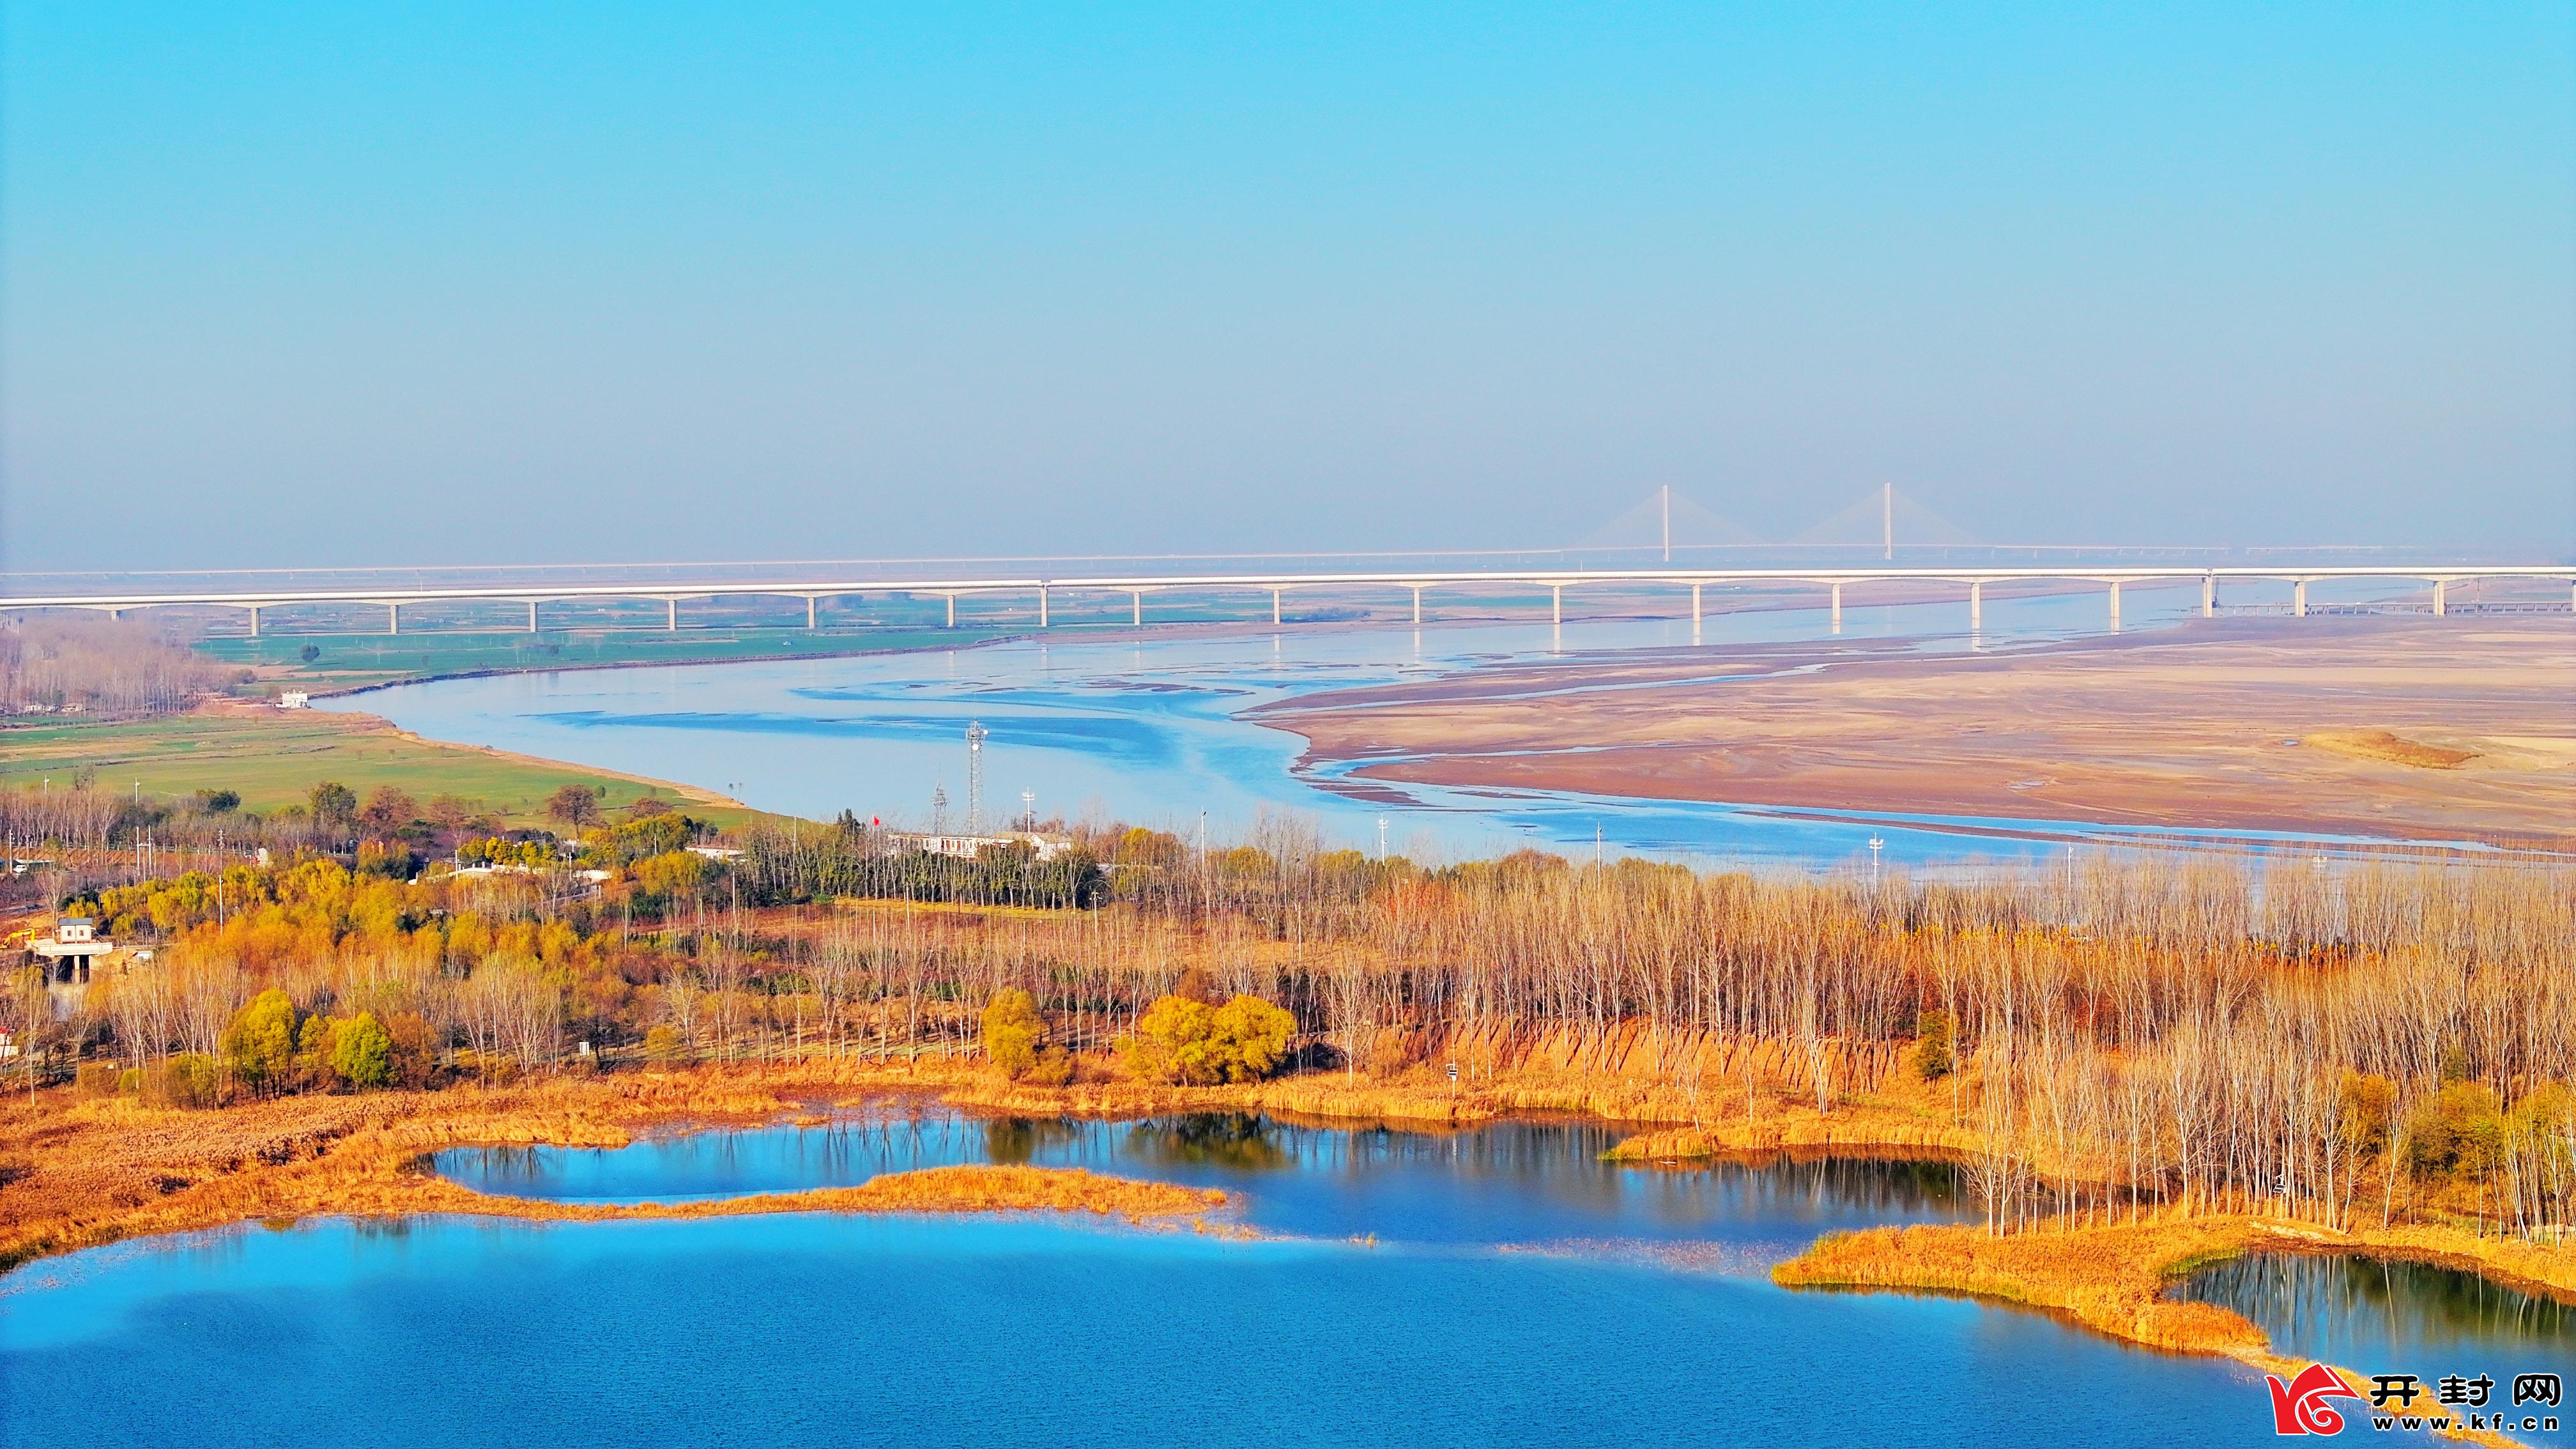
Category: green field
[348,661]
[273,757]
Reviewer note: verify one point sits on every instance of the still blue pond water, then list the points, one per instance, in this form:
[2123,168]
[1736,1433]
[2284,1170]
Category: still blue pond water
[1150,729]
[1517,1291]
[2403,1318]
[1511,1183]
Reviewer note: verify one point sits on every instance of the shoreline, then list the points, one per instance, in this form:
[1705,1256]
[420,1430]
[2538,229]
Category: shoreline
[363,1157]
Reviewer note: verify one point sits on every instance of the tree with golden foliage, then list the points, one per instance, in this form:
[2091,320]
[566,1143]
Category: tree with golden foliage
[1013,1032]
[1190,1042]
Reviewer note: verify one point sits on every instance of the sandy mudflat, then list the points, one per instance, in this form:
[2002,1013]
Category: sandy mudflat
[2457,728]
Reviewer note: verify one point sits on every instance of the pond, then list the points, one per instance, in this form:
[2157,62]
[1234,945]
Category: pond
[1498,1286]
[2411,1318]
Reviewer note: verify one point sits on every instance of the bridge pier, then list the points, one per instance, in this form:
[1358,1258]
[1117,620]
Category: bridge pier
[2298,598]
[671,615]
[1556,605]
[1042,606]
[532,616]
[1274,607]
[809,611]
[1838,607]
[254,621]
[1976,606]
[1695,588]
[2209,596]
[2438,600]
[393,618]
[1136,609]
[1417,606]
[2115,606]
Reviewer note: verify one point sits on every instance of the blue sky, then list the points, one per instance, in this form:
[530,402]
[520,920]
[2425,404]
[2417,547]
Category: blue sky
[426,283]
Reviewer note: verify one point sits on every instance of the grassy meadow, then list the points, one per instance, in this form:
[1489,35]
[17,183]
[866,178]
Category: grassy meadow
[352,661]
[274,757]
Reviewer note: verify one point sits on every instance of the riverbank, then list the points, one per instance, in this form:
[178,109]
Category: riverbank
[2394,728]
[82,1172]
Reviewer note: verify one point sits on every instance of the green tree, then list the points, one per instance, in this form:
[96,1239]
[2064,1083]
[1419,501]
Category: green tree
[362,1052]
[1013,1032]
[334,805]
[261,1038]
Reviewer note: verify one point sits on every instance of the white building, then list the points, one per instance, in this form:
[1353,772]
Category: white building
[68,952]
[969,847]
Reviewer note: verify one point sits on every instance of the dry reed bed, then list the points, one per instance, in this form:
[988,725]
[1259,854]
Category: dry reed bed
[2113,1280]
[76,1173]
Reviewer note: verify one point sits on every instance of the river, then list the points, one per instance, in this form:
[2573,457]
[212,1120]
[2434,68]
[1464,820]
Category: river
[1149,729]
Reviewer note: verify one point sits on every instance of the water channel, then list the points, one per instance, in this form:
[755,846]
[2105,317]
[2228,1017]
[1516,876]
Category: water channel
[1150,729]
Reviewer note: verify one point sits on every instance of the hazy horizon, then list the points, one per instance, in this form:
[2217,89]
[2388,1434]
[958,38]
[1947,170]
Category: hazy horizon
[488,285]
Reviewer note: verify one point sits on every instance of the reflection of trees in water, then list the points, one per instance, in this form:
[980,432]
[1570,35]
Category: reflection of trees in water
[1240,1141]
[506,1164]
[1015,1141]
[2303,1294]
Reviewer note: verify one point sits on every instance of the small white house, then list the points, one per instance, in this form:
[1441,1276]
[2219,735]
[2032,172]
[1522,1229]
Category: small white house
[67,954]
[293,698]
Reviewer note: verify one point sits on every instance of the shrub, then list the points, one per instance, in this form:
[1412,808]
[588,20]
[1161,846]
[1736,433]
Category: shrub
[662,1044]
[186,1080]
[2461,1129]
[1190,1042]
[96,1079]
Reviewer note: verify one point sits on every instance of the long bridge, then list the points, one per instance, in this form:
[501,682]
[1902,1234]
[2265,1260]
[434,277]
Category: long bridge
[1830,580]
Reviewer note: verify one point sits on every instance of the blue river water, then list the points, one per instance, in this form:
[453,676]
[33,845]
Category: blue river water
[1480,1288]
[1151,729]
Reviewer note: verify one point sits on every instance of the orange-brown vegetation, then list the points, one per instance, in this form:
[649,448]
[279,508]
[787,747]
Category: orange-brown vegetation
[79,1171]
[2353,1045]
[2115,1280]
